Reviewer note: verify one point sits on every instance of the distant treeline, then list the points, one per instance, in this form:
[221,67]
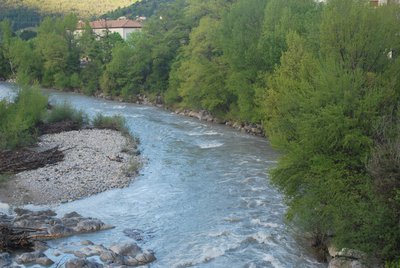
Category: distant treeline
[144,8]
[322,78]
[21,17]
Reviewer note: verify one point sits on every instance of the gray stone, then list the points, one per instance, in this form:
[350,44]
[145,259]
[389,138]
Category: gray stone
[345,263]
[82,263]
[29,257]
[352,253]
[5,259]
[86,243]
[59,230]
[44,261]
[72,215]
[145,258]
[126,249]
[88,225]
[40,246]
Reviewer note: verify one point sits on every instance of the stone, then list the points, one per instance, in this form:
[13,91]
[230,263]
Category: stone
[135,234]
[29,257]
[5,259]
[126,249]
[59,230]
[345,263]
[82,263]
[44,261]
[88,225]
[145,257]
[86,243]
[333,251]
[72,215]
[352,253]
[40,246]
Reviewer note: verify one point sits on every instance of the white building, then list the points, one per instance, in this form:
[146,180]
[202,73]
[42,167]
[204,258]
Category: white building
[124,27]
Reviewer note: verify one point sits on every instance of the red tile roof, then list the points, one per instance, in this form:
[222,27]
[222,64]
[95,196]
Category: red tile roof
[108,24]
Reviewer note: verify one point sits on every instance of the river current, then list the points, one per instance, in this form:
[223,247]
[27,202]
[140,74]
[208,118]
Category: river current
[202,199]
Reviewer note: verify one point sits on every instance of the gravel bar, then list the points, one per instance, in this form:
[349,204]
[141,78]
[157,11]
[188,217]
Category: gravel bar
[95,160]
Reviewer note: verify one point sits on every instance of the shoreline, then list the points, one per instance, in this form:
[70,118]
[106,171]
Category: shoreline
[96,160]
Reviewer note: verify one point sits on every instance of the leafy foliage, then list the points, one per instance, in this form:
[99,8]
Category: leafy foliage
[65,112]
[18,119]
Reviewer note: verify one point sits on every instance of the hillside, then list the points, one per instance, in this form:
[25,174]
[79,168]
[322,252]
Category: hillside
[84,8]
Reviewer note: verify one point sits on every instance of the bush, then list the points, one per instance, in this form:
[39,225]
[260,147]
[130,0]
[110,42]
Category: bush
[18,119]
[65,112]
[61,81]
[115,122]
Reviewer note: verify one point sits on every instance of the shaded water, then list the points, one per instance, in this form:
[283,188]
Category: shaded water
[203,199]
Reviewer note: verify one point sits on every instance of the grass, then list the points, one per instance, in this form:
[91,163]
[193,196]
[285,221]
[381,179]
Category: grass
[133,167]
[65,112]
[115,122]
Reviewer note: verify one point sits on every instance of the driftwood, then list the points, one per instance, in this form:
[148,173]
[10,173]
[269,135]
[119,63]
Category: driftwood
[23,159]
[12,238]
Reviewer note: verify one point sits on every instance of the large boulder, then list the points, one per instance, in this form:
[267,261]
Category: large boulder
[35,257]
[82,263]
[126,249]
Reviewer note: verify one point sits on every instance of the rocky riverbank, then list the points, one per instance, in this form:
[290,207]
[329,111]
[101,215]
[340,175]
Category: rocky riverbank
[95,160]
[27,229]
[202,115]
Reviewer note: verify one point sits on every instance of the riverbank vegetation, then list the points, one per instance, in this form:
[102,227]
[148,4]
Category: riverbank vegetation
[322,78]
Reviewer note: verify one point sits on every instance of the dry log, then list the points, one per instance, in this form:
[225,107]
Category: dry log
[12,238]
[23,159]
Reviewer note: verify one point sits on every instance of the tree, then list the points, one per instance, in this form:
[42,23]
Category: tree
[324,111]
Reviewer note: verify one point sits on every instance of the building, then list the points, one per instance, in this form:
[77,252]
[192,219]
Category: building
[123,26]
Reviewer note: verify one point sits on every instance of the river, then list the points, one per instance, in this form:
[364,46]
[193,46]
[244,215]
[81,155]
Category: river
[203,198]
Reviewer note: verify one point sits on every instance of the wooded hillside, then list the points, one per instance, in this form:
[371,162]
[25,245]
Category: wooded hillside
[83,8]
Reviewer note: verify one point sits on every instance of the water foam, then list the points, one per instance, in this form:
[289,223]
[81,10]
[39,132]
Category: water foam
[272,260]
[119,107]
[209,145]
[264,224]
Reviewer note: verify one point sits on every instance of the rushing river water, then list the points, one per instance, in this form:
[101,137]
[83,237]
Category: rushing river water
[203,198]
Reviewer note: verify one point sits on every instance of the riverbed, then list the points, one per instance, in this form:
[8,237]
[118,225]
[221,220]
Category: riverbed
[203,198]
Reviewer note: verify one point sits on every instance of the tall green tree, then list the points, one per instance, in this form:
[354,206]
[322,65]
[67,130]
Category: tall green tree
[323,110]
[6,67]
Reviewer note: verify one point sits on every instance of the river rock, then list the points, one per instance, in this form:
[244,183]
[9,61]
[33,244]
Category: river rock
[126,249]
[88,225]
[135,234]
[351,258]
[5,259]
[82,263]
[36,257]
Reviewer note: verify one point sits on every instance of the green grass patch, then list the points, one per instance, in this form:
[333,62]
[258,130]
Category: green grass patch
[115,122]
[65,112]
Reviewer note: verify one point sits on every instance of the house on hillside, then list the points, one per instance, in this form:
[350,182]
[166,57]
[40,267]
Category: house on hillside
[384,2]
[123,26]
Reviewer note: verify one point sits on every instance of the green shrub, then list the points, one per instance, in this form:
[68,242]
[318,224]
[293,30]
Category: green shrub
[18,119]
[115,122]
[61,81]
[65,112]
